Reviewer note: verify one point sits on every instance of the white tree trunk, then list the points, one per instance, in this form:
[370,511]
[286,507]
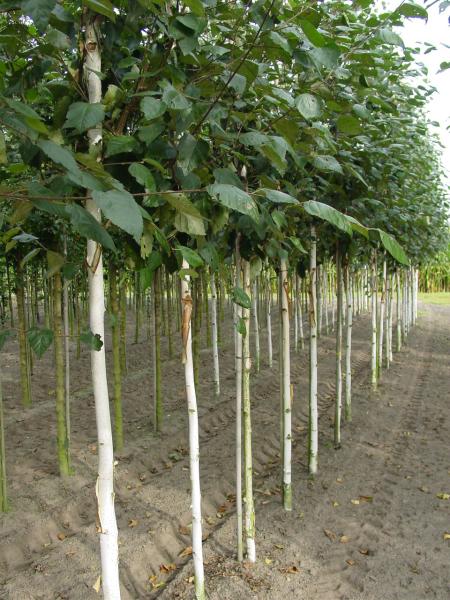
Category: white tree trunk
[381,320]
[238,366]
[194,450]
[286,389]
[66,354]
[249,503]
[215,346]
[298,300]
[399,311]
[269,324]
[107,525]
[313,433]
[255,323]
[348,346]
[374,369]
[338,401]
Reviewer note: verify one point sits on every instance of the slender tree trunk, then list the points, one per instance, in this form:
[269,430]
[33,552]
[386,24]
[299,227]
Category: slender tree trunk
[107,525]
[313,426]
[66,328]
[374,369]
[169,313]
[123,327]
[269,323]
[287,408]
[194,449]
[214,335]
[158,407]
[61,431]
[256,323]
[117,374]
[23,343]
[398,312]
[338,403]
[238,365]
[10,301]
[3,485]
[381,320]
[248,468]
[348,346]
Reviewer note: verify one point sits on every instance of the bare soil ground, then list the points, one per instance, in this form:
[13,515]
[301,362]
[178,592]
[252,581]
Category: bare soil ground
[369,526]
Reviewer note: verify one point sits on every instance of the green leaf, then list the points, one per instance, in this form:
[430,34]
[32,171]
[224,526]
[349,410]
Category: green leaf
[189,224]
[93,341]
[329,214]
[120,144]
[241,298]
[121,209]
[39,11]
[181,203]
[57,39]
[309,106]
[40,340]
[191,256]
[227,176]
[327,163]
[358,227]
[103,7]
[234,198]
[152,107]
[387,36]
[59,155]
[312,34]
[390,244]
[54,261]
[143,176]
[85,224]
[277,196]
[412,9]
[349,125]
[4,335]
[210,255]
[82,116]
[196,7]
[328,56]
[241,327]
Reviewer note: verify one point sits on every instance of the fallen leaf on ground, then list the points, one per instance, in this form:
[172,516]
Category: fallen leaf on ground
[330,534]
[423,488]
[61,536]
[364,551]
[335,503]
[292,569]
[344,539]
[268,560]
[354,501]
[443,496]
[446,535]
[366,498]
[132,523]
[166,568]
[184,530]
[279,546]
[186,552]
[155,583]
[350,562]
[97,584]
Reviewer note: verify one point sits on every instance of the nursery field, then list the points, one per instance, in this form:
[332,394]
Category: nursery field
[373,523]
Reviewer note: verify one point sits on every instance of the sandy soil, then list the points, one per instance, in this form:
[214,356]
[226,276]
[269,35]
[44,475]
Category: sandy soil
[370,525]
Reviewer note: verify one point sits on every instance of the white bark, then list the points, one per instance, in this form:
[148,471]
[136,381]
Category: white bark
[348,346]
[107,525]
[255,323]
[194,450]
[398,312]
[238,366]
[313,441]
[249,502]
[269,325]
[298,300]
[215,346]
[66,354]
[338,400]
[381,320]
[286,389]
[374,370]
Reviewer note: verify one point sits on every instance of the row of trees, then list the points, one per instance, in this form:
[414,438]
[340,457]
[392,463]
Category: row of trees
[200,148]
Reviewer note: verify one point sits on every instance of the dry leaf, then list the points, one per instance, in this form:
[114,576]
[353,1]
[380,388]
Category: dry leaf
[330,535]
[279,546]
[166,568]
[443,496]
[423,488]
[366,498]
[268,561]
[155,583]
[339,480]
[61,536]
[190,579]
[292,569]
[98,584]
[344,539]
[354,501]
[132,523]
[186,552]
[446,535]
[350,562]
[184,530]
[335,503]
[364,551]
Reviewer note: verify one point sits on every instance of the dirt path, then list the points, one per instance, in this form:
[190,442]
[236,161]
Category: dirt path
[387,543]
